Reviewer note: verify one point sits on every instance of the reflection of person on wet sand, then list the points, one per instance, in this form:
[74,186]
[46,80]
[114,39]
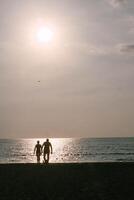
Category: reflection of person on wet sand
[38,149]
[47,147]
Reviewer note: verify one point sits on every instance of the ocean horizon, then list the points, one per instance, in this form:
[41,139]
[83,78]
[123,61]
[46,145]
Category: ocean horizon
[66,150]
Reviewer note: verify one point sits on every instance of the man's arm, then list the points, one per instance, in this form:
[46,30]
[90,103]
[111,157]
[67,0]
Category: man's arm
[42,146]
[34,149]
[51,148]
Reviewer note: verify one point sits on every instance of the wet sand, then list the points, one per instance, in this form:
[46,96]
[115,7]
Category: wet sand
[95,181]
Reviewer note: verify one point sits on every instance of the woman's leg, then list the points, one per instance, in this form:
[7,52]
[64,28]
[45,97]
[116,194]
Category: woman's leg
[38,158]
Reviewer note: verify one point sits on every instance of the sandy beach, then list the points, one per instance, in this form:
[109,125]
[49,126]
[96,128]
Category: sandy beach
[97,181]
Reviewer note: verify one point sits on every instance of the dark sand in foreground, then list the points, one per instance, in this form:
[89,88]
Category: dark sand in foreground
[99,181]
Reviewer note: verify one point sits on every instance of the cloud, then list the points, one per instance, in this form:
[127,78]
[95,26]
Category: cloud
[126,48]
[117,3]
[86,49]
[130,23]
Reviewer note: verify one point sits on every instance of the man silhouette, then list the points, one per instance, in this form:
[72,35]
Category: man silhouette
[38,149]
[47,147]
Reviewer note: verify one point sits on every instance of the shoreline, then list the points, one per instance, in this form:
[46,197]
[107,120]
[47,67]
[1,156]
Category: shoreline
[71,163]
[62,181]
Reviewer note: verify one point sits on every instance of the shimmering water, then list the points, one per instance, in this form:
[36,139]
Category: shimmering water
[69,150]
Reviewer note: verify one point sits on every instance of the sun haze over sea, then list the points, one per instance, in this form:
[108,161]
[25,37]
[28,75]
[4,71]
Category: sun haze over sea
[66,68]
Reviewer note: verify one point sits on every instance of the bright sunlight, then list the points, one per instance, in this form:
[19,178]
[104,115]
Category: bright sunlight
[44,35]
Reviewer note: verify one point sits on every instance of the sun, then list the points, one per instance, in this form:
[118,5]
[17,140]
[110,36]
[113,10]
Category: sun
[44,35]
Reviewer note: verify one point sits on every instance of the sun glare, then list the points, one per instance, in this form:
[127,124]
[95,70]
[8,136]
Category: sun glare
[44,35]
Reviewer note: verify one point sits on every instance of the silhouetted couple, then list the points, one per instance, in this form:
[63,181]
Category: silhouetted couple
[45,148]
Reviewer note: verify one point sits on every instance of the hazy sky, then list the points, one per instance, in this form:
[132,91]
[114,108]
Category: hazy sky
[79,84]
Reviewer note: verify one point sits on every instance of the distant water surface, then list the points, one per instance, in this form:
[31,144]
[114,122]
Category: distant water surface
[69,150]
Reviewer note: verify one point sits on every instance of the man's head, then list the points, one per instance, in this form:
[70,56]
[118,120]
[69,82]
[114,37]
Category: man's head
[38,142]
[47,140]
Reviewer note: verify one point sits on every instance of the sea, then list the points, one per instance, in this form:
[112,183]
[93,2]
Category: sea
[66,150]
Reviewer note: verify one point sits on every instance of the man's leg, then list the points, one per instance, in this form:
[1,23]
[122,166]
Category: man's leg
[48,157]
[44,157]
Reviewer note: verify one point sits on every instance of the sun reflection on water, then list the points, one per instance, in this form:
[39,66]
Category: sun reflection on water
[60,146]
[67,150]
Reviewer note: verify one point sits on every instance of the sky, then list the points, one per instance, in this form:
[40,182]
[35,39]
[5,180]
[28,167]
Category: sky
[79,84]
